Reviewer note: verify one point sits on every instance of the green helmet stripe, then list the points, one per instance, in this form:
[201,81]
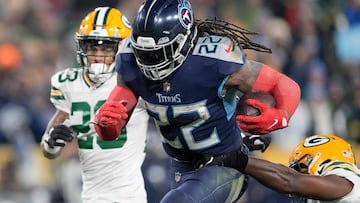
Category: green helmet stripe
[101,17]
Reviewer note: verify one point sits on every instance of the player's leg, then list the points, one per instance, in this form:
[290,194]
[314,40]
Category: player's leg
[210,184]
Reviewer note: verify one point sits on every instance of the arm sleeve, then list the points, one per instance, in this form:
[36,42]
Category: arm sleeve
[285,90]
[58,95]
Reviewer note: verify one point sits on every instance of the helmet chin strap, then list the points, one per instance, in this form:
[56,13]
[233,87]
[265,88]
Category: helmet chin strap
[100,72]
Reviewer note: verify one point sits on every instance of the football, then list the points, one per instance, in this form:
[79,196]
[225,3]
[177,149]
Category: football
[109,132]
[243,108]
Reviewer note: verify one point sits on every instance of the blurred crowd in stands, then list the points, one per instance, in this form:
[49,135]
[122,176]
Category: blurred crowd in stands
[315,42]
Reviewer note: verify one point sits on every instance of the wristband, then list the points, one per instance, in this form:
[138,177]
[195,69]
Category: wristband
[236,159]
[51,150]
[240,162]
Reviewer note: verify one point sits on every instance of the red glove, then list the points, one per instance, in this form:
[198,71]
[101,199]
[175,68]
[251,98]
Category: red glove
[269,120]
[110,119]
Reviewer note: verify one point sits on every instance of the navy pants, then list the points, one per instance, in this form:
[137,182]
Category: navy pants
[212,184]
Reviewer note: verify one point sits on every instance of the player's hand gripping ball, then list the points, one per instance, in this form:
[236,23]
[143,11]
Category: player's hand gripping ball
[110,119]
[243,108]
[257,114]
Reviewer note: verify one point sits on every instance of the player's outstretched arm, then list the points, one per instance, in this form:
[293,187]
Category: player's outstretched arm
[56,135]
[279,177]
[286,180]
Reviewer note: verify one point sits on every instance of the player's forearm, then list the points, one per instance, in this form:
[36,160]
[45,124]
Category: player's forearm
[122,92]
[114,114]
[275,176]
[285,90]
[58,118]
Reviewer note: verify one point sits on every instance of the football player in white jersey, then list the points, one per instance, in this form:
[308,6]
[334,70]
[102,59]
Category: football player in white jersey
[111,170]
[325,171]
[333,174]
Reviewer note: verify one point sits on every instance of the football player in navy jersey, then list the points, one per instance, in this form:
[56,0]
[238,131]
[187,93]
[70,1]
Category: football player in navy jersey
[188,72]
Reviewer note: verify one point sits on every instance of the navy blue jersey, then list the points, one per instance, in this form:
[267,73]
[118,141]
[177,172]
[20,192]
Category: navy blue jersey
[192,114]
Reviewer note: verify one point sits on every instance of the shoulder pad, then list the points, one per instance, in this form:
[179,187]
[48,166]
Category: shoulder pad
[125,46]
[220,48]
[336,165]
[65,76]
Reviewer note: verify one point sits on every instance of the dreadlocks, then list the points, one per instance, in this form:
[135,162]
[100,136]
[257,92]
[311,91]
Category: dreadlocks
[236,34]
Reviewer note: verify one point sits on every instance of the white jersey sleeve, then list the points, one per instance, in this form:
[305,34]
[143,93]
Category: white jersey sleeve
[352,174]
[348,171]
[60,87]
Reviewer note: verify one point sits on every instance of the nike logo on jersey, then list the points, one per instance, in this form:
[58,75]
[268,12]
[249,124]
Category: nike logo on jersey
[227,50]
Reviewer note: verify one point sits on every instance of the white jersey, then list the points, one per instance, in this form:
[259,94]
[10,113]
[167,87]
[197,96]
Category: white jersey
[111,170]
[351,173]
